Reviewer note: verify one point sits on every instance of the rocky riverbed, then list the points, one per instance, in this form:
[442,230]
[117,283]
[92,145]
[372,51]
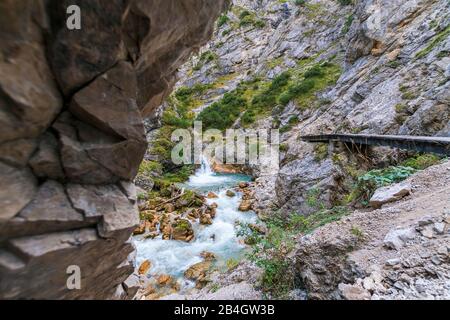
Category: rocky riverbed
[190,231]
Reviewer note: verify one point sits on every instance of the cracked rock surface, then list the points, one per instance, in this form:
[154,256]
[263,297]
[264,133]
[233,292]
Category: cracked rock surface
[72,105]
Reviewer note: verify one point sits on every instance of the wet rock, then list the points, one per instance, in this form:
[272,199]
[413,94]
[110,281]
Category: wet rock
[164,279]
[165,227]
[206,219]
[198,272]
[144,267]
[230,193]
[243,185]
[208,256]
[211,195]
[182,230]
[140,229]
[245,205]
[390,194]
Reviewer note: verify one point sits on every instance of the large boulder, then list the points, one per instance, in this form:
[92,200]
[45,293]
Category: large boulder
[390,194]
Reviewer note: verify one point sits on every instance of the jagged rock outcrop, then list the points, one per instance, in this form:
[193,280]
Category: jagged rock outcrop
[72,104]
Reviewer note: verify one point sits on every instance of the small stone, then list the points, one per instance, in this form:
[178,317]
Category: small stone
[213,205]
[425,221]
[436,260]
[230,193]
[353,292]
[420,285]
[395,239]
[243,185]
[392,262]
[427,232]
[140,229]
[439,227]
[369,284]
[442,251]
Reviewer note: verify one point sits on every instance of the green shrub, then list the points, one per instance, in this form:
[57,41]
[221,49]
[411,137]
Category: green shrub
[374,179]
[436,40]
[320,151]
[345,2]
[248,117]
[244,14]
[284,147]
[223,19]
[148,168]
[259,23]
[222,114]
[269,251]
[348,24]
[267,99]
[421,162]
[299,2]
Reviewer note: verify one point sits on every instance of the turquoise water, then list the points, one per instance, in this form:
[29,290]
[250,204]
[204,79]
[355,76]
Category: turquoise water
[174,257]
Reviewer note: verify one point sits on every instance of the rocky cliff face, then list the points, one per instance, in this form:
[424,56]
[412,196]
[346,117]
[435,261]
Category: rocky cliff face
[72,105]
[386,71]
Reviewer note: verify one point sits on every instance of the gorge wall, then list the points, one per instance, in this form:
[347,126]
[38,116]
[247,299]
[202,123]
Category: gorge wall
[385,70]
[72,137]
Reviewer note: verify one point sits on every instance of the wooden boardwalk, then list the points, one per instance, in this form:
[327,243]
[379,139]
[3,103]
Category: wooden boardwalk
[439,145]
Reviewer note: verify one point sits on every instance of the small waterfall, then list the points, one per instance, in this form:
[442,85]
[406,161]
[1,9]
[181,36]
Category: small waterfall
[221,238]
[205,168]
[205,176]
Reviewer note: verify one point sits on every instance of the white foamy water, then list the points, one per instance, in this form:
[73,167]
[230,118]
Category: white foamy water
[174,257]
[205,177]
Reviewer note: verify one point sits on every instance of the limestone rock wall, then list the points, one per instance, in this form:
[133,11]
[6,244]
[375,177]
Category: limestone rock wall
[72,105]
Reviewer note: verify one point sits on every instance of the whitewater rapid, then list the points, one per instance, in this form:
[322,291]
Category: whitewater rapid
[174,257]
